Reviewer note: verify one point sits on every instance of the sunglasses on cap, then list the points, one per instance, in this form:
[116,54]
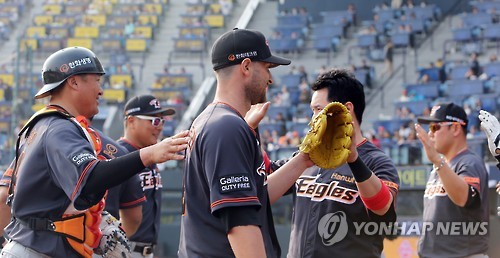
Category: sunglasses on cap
[155,121]
[437,126]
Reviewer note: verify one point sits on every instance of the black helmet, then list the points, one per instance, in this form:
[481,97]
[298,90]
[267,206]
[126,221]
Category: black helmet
[65,63]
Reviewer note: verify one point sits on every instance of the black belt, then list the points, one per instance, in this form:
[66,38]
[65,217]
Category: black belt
[144,250]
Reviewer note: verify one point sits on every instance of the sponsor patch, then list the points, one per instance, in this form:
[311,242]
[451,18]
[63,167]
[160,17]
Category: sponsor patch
[80,158]
[233,183]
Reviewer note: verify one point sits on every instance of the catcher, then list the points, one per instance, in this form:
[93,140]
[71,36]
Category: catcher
[333,195]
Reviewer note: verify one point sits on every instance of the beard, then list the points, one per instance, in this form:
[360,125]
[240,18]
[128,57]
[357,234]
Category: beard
[256,92]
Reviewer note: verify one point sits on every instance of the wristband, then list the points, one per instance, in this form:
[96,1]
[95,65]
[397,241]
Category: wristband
[379,200]
[441,164]
[359,170]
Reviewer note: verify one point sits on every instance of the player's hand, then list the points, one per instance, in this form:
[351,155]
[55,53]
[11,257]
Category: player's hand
[256,113]
[170,148]
[432,154]
[353,155]
[491,128]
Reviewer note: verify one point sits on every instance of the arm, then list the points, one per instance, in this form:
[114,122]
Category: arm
[131,219]
[5,214]
[282,179]
[247,241]
[455,186]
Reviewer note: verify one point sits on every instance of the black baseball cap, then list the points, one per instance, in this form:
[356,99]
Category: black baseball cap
[235,45]
[445,112]
[146,105]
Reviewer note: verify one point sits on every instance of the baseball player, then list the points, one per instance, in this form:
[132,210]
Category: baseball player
[58,184]
[457,190]
[328,202]
[124,201]
[227,193]
[144,119]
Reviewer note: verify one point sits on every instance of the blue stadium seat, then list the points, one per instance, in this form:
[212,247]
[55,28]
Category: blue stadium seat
[286,30]
[299,20]
[428,90]
[273,112]
[458,72]
[366,40]
[323,44]
[390,125]
[464,88]
[386,15]
[401,39]
[433,73]
[327,30]
[473,20]
[462,34]
[290,80]
[283,45]
[492,69]
[492,31]
[415,106]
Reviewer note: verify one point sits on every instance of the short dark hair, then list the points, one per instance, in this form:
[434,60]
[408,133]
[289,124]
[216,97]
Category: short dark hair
[343,88]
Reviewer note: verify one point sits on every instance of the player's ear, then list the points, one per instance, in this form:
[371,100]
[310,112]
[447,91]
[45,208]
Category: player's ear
[245,65]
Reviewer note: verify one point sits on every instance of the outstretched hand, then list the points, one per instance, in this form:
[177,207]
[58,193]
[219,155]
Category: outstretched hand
[170,148]
[256,114]
[491,128]
[432,154]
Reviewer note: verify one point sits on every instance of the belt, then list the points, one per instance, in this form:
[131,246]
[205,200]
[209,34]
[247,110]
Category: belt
[144,250]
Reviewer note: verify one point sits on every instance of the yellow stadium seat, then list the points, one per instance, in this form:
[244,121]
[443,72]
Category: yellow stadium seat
[121,79]
[153,8]
[114,95]
[86,32]
[7,78]
[36,32]
[148,19]
[52,9]
[145,31]
[136,45]
[99,19]
[43,20]
[215,8]
[33,43]
[82,42]
[37,106]
[214,20]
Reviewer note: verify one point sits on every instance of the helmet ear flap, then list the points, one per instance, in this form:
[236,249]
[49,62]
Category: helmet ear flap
[67,62]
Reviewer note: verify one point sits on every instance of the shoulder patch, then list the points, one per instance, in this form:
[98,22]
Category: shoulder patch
[233,183]
[80,158]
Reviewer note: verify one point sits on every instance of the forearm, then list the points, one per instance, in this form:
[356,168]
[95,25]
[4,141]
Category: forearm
[370,188]
[455,186]
[282,179]
[131,219]
[5,214]
[247,241]
[374,194]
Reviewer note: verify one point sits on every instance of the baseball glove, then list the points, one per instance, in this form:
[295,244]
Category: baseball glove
[114,242]
[491,128]
[329,136]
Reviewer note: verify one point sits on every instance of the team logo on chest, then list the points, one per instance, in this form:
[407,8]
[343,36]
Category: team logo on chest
[151,179]
[309,188]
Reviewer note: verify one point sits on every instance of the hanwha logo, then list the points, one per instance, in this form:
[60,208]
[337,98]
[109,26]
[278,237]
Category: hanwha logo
[64,68]
[231,57]
[332,228]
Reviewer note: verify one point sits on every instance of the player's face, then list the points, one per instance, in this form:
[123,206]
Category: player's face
[147,133]
[90,92]
[442,137]
[261,79]
[319,100]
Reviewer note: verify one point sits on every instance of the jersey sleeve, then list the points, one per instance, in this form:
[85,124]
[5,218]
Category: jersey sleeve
[7,175]
[71,158]
[470,172]
[131,194]
[230,150]
[384,169]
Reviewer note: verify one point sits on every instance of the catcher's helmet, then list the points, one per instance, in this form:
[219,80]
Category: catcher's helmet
[67,62]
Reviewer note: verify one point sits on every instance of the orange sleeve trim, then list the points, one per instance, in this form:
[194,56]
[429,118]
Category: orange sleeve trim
[8,172]
[233,200]
[391,185]
[473,181]
[82,176]
[133,203]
